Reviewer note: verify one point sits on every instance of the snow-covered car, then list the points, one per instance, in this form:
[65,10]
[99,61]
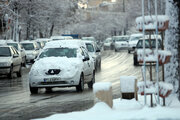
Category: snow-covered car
[120,42]
[62,64]
[108,43]
[95,52]
[31,49]
[134,38]
[89,39]
[20,49]
[152,46]
[10,61]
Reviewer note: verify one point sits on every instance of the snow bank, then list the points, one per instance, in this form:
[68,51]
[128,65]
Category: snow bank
[127,83]
[122,110]
[101,86]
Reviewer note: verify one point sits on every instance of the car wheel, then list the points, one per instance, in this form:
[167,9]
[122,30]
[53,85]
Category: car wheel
[80,87]
[129,51]
[48,89]
[136,61]
[33,90]
[10,75]
[24,64]
[19,73]
[90,84]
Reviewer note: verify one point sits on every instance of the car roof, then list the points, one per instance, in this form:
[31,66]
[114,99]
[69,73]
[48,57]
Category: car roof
[64,43]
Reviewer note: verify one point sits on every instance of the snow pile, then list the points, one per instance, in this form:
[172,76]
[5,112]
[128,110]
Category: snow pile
[122,110]
[150,55]
[68,66]
[149,87]
[101,86]
[127,83]
[150,22]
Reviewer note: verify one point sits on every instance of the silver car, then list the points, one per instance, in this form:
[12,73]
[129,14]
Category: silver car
[20,49]
[32,50]
[95,52]
[10,61]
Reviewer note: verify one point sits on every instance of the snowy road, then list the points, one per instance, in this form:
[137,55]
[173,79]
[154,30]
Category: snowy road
[17,102]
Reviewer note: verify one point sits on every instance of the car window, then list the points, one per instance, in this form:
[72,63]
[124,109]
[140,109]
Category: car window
[59,52]
[147,43]
[85,52]
[13,44]
[90,47]
[136,38]
[28,46]
[121,38]
[5,52]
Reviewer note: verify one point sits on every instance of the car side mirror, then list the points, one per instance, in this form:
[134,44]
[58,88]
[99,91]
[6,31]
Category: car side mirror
[85,59]
[98,50]
[15,55]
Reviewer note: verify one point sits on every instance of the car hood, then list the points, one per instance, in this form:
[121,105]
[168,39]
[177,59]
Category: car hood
[67,66]
[5,59]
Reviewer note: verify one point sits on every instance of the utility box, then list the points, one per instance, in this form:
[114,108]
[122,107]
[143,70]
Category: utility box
[128,87]
[103,93]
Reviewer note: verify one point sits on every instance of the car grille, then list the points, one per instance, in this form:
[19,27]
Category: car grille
[51,83]
[53,72]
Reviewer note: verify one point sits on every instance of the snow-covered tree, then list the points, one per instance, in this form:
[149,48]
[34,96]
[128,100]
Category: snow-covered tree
[172,38]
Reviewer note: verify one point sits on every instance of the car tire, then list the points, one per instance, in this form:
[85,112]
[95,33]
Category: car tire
[90,84]
[136,61]
[19,73]
[10,75]
[80,87]
[129,51]
[48,90]
[33,90]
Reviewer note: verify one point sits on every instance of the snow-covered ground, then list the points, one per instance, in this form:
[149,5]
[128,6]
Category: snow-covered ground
[125,110]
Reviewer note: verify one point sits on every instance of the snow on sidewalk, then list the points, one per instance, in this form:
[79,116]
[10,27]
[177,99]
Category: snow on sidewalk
[124,109]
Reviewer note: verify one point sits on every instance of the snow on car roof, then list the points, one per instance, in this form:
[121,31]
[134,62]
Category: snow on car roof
[64,43]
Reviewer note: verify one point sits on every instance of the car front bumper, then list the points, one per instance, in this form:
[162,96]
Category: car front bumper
[4,70]
[44,81]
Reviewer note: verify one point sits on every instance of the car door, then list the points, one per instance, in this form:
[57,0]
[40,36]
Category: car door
[89,66]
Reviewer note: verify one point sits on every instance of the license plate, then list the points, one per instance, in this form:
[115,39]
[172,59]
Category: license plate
[51,79]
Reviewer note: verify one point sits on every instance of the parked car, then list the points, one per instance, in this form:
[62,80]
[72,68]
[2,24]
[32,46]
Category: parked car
[95,52]
[89,39]
[134,38]
[44,40]
[120,42]
[108,44]
[31,49]
[62,64]
[20,49]
[10,61]
[139,46]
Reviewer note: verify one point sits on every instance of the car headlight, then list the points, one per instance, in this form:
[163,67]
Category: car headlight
[5,64]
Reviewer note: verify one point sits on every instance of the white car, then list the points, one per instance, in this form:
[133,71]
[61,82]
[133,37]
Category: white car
[20,49]
[31,49]
[62,64]
[10,61]
[95,52]
[133,40]
[108,43]
[120,42]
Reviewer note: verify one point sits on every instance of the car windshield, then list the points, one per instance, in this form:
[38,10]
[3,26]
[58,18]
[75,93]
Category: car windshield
[121,38]
[108,40]
[28,46]
[5,52]
[147,45]
[89,47]
[39,44]
[13,44]
[59,52]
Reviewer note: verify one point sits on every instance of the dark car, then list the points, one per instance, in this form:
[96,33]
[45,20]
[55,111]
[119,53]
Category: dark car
[147,46]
